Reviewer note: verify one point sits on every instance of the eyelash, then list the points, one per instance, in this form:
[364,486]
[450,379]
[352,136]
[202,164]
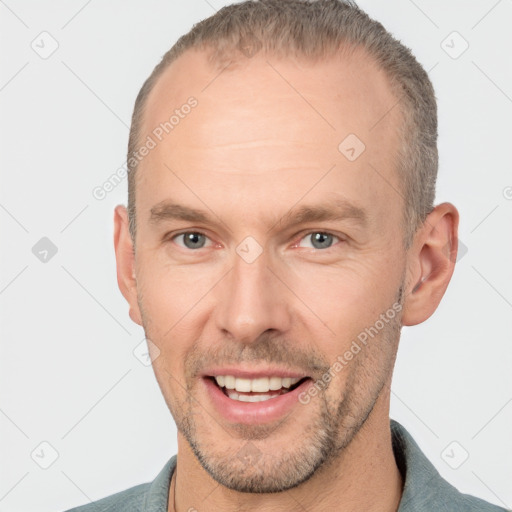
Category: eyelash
[303,235]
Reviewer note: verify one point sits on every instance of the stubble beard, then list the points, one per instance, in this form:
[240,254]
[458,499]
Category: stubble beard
[249,468]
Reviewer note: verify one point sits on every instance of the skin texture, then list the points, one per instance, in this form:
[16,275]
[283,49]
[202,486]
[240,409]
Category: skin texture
[261,142]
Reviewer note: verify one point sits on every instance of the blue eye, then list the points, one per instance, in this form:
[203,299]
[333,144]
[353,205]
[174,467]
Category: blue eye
[192,239]
[196,240]
[320,239]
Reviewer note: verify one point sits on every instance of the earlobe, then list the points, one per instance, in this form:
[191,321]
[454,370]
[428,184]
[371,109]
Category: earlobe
[431,262]
[125,262]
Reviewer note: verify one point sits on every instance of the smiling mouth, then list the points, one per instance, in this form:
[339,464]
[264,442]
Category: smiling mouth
[255,390]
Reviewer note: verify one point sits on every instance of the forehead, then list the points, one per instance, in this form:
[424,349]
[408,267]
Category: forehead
[345,91]
[268,123]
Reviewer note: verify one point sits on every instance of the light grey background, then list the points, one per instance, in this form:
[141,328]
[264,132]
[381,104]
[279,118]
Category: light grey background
[69,376]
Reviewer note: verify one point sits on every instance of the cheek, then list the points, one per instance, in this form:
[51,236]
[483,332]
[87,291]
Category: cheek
[166,306]
[345,294]
[167,292]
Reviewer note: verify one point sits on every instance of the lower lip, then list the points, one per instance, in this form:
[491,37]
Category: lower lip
[252,413]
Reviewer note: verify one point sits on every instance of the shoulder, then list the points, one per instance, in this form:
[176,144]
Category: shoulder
[131,499]
[424,488]
[148,497]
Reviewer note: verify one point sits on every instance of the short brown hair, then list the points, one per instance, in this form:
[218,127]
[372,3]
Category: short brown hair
[316,29]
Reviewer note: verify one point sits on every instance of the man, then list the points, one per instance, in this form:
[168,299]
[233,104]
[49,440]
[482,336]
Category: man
[280,230]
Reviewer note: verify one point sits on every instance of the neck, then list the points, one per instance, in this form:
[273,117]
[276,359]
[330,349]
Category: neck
[364,476]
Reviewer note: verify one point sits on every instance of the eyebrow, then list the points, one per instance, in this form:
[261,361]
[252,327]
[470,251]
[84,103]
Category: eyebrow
[333,210]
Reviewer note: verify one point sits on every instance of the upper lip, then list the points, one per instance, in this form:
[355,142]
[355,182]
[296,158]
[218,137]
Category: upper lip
[255,373]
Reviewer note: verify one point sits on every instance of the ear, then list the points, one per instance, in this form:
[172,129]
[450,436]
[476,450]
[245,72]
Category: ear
[430,263]
[125,262]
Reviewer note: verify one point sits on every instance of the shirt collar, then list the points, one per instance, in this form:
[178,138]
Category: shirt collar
[157,497]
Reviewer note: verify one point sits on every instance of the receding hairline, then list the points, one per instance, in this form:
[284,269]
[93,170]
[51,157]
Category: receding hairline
[206,54]
[232,61]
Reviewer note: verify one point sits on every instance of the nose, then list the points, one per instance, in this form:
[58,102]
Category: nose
[252,300]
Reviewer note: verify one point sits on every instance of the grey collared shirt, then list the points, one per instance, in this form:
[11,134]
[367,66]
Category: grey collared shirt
[424,489]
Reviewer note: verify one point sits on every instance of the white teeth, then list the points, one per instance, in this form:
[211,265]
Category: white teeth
[243,384]
[260,385]
[229,382]
[249,398]
[275,383]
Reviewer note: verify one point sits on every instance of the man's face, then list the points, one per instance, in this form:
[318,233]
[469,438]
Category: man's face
[253,292]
